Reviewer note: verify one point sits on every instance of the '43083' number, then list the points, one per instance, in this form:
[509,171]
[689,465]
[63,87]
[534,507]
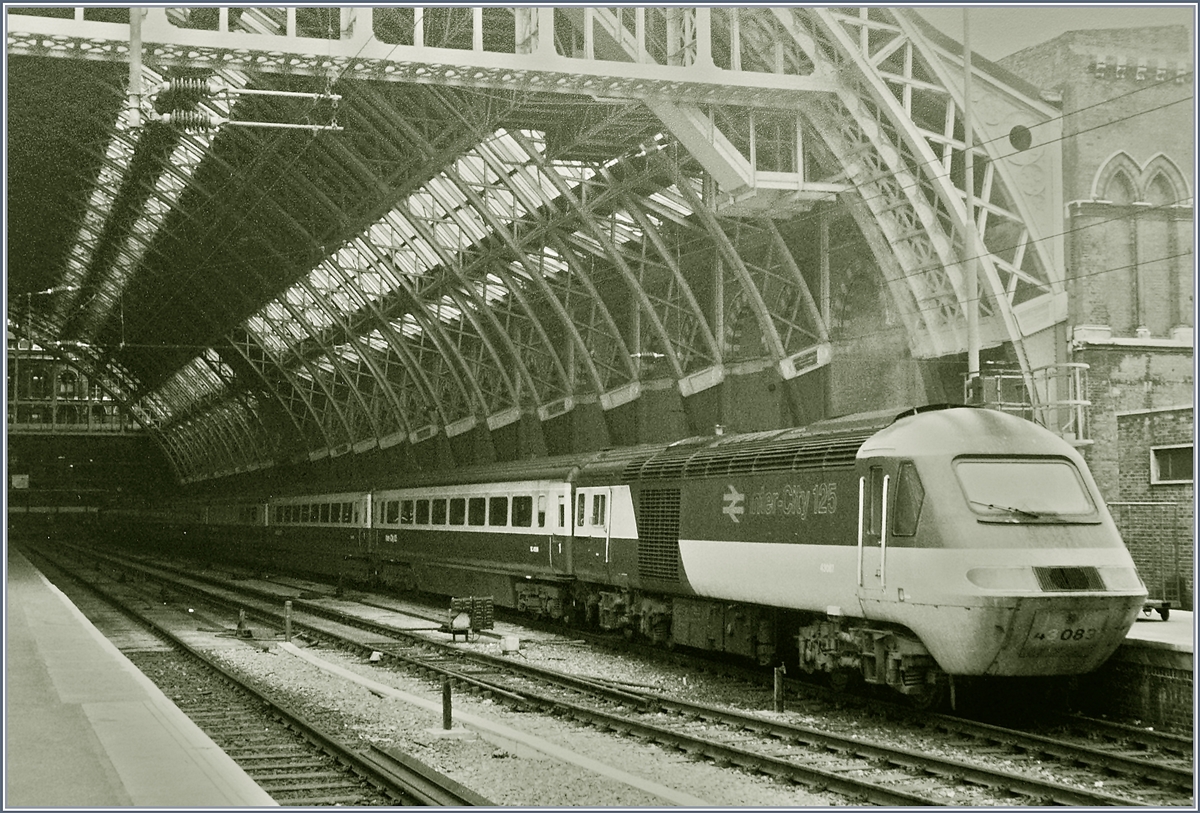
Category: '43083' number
[1068,634]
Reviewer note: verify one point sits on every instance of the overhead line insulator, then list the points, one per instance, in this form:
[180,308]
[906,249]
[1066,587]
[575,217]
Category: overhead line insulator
[192,120]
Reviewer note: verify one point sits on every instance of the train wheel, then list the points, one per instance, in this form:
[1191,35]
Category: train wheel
[1164,613]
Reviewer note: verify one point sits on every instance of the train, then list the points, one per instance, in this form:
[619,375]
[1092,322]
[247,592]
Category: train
[903,550]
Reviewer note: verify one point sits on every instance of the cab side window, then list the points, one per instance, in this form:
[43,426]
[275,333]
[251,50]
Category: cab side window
[910,496]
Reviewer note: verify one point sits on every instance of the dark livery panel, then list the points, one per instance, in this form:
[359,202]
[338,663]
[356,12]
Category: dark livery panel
[899,550]
[800,508]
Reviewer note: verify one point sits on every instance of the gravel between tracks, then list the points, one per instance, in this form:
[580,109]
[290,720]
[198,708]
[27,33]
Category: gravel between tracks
[502,774]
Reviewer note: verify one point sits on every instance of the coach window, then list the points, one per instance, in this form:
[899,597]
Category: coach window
[476,511]
[304,512]
[279,510]
[458,510]
[391,512]
[599,504]
[497,511]
[562,511]
[910,495]
[406,512]
[439,512]
[324,512]
[522,512]
[422,512]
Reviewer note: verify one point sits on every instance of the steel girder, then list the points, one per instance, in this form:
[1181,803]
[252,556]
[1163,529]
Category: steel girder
[531,291]
[895,128]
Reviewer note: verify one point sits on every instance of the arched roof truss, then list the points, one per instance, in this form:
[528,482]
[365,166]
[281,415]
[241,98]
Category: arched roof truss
[512,229]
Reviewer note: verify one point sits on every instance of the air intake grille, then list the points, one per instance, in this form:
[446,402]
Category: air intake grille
[658,534]
[753,455]
[1061,579]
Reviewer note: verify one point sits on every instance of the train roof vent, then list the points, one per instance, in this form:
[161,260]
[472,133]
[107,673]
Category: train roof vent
[668,465]
[792,455]
[1068,579]
[761,452]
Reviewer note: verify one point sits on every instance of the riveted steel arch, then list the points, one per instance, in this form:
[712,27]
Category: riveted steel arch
[908,174]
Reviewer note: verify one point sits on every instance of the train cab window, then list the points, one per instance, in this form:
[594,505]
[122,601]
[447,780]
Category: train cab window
[562,512]
[581,511]
[422,512]
[522,512]
[458,510]
[599,509]
[438,516]
[541,512]
[406,512]
[392,512]
[910,495]
[497,510]
[1028,490]
[476,511]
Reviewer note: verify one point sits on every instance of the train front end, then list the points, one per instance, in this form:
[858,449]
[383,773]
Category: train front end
[999,553]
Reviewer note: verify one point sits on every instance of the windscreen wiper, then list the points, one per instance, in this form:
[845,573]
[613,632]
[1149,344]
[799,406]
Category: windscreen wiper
[1008,508]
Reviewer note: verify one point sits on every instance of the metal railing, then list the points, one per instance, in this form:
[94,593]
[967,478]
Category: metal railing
[1053,396]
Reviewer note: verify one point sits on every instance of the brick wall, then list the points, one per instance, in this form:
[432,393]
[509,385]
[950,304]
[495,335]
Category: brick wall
[1123,378]
[1141,686]
[1110,109]
[1157,520]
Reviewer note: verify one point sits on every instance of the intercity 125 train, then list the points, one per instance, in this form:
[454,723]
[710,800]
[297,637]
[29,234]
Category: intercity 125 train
[901,551]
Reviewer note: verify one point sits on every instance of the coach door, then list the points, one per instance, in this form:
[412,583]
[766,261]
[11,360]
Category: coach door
[872,523]
[592,508]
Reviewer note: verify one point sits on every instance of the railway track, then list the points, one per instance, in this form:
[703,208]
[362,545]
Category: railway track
[290,758]
[840,762]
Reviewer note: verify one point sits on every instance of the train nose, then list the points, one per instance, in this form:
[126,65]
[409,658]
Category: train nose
[1052,636]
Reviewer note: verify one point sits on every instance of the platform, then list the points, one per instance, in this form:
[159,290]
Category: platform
[1177,633]
[85,728]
